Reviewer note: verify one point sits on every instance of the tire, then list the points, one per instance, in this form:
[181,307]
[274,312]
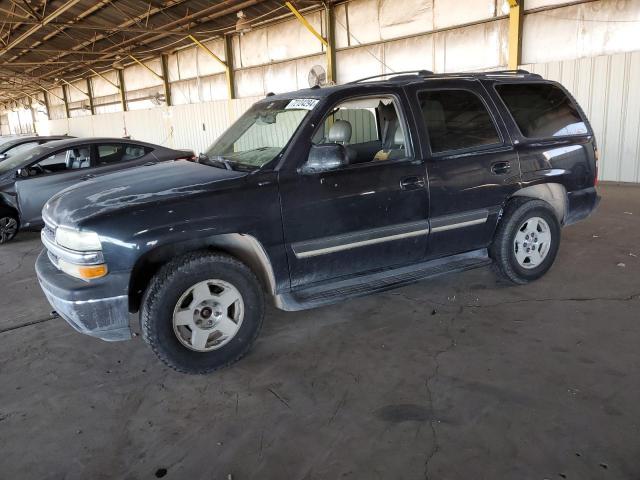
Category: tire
[9,224]
[174,320]
[524,219]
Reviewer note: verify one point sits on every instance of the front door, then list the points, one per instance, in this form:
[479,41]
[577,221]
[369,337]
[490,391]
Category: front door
[49,176]
[472,167]
[369,214]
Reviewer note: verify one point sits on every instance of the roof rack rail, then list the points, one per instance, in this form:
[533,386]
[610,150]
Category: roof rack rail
[427,73]
[418,73]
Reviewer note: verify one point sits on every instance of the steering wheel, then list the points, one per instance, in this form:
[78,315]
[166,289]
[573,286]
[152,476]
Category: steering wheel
[36,170]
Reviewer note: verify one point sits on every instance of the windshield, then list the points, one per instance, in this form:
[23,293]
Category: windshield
[260,134]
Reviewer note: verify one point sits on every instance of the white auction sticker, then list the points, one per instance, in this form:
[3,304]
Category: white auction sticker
[302,103]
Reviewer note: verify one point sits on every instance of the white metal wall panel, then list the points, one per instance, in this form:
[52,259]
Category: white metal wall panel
[415,16]
[108,125]
[359,62]
[448,14]
[608,89]
[410,53]
[147,125]
[59,127]
[81,127]
[586,30]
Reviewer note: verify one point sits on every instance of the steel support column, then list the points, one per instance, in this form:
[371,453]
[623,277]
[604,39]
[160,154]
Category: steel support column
[330,21]
[65,99]
[516,14]
[164,59]
[327,42]
[90,95]
[228,65]
[123,92]
[228,56]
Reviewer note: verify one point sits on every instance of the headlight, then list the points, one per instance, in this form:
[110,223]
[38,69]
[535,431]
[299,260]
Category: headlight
[77,240]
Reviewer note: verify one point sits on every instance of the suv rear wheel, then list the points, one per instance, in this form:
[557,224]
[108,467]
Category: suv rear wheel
[8,224]
[527,240]
[202,311]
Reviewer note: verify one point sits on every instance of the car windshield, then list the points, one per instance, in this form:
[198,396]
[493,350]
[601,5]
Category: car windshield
[259,135]
[20,159]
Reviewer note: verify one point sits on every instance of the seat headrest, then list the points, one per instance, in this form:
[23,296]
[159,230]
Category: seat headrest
[340,132]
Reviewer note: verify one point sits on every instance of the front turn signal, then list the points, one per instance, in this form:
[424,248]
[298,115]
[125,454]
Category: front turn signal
[84,272]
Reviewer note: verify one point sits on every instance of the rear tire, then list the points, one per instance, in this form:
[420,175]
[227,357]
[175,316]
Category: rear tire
[9,224]
[202,311]
[527,240]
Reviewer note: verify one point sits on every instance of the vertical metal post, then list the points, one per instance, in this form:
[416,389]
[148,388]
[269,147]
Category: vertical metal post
[164,59]
[330,21]
[46,104]
[228,56]
[90,95]
[65,99]
[123,93]
[516,10]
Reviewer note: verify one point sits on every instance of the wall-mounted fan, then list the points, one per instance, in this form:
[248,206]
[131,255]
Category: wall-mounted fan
[317,76]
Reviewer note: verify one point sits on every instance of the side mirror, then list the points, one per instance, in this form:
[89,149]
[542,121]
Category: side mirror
[22,173]
[325,157]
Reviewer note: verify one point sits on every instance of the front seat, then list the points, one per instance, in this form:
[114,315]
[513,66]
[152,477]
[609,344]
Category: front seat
[340,132]
[397,148]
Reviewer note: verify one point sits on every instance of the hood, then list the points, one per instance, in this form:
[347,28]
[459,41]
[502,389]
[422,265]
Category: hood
[133,187]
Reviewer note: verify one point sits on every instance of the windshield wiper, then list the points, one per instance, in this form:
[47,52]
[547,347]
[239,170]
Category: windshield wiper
[217,161]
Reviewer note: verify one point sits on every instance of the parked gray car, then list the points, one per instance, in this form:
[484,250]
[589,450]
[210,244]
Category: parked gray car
[28,179]
[14,146]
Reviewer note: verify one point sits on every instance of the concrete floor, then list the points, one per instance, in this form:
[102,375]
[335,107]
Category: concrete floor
[463,377]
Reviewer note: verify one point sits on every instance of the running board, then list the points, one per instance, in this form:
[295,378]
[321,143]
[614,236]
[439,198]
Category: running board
[336,291]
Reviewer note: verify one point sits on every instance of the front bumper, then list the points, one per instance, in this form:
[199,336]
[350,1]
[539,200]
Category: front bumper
[93,308]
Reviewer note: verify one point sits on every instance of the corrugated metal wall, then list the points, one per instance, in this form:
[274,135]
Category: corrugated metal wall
[582,45]
[191,126]
[608,89]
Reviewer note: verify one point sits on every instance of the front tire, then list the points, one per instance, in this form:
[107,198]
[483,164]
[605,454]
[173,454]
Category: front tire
[201,312]
[9,224]
[527,240]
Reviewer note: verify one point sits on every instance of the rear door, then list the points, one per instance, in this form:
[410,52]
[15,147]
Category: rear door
[49,176]
[472,164]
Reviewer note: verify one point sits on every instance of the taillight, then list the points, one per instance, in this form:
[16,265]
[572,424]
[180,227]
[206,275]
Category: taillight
[597,157]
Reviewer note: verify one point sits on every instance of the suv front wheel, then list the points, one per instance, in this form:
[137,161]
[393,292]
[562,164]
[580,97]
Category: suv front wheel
[527,240]
[202,311]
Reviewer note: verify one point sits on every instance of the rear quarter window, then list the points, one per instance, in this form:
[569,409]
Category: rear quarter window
[541,110]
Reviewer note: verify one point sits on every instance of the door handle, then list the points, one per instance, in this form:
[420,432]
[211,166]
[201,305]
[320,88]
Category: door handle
[88,176]
[411,183]
[500,168]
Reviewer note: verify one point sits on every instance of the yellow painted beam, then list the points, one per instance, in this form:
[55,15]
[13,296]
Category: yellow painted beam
[228,65]
[304,22]
[73,86]
[204,47]
[147,67]
[51,93]
[516,10]
[105,78]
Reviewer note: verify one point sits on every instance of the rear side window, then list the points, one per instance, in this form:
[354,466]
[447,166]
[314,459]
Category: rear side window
[456,120]
[541,110]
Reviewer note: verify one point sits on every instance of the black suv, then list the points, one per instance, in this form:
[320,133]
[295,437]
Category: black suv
[319,195]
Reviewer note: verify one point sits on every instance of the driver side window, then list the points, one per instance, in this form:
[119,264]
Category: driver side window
[370,128]
[70,159]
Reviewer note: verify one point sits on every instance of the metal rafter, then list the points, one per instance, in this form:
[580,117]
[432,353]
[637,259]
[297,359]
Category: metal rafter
[52,16]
